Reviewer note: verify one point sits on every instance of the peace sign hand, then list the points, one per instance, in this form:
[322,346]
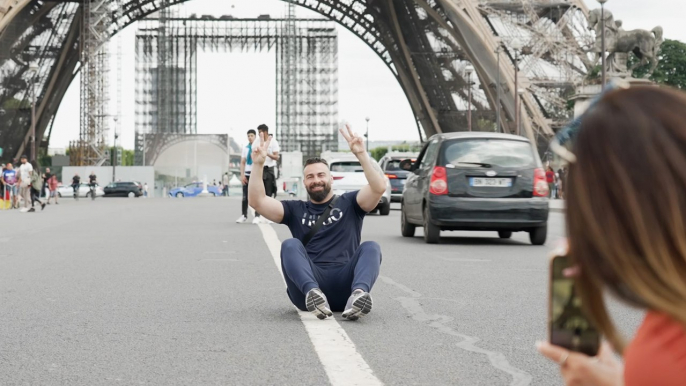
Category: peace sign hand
[355,142]
[259,153]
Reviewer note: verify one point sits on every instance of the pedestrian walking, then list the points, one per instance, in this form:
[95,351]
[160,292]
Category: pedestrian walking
[269,172]
[76,185]
[145,190]
[25,173]
[324,265]
[225,183]
[246,170]
[36,187]
[550,178]
[626,234]
[45,192]
[9,181]
[52,185]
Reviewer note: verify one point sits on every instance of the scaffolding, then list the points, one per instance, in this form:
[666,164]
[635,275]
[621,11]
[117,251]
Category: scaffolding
[306,73]
[91,147]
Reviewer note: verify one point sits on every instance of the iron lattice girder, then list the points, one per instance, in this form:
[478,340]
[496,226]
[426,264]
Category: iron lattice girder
[369,20]
[34,34]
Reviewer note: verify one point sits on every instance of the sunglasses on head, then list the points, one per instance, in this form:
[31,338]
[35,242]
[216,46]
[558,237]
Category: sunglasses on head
[565,137]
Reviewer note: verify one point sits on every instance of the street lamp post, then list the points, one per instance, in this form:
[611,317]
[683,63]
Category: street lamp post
[367,134]
[115,153]
[469,70]
[516,71]
[520,92]
[497,90]
[33,70]
[602,40]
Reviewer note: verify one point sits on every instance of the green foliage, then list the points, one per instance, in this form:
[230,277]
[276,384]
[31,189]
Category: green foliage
[482,124]
[595,74]
[127,156]
[379,152]
[44,160]
[671,70]
[16,104]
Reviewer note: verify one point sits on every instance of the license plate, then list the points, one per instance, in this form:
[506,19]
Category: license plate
[491,182]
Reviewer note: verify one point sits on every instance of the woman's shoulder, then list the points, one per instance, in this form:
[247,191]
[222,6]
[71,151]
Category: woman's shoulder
[657,355]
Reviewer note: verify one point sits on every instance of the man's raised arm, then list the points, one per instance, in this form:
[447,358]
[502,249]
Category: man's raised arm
[268,207]
[369,196]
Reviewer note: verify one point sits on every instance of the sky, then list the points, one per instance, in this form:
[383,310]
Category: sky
[236,91]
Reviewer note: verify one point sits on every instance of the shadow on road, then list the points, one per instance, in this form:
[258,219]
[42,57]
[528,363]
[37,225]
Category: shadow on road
[458,240]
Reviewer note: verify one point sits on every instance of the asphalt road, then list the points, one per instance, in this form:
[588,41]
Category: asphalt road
[173,292]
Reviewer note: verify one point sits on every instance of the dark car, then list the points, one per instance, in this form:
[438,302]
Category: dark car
[476,181]
[390,164]
[124,189]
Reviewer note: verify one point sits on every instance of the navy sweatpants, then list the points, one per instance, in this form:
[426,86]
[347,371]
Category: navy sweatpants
[337,282]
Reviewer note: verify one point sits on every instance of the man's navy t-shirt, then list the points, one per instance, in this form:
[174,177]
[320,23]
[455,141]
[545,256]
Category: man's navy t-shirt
[338,238]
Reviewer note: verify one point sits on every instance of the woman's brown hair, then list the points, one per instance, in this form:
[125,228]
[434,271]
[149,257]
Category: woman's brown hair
[626,200]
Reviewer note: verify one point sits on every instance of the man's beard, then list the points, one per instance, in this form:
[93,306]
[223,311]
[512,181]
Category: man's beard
[319,195]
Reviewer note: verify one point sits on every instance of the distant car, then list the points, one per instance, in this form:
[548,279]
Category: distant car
[348,176]
[84,190]
[192,190]
[390,164]
[124,189]
[476,181]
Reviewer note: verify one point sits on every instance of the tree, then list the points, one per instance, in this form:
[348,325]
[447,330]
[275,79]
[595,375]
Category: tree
[671,70]
[127,156]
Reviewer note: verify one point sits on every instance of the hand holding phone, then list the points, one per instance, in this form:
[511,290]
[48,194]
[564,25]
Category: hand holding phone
[568,326]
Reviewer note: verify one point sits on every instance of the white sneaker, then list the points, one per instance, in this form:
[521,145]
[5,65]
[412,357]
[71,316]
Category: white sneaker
[241,220]
[24,210]
[257,220]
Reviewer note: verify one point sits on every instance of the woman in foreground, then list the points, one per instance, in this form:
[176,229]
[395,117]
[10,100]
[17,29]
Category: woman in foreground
[626,221]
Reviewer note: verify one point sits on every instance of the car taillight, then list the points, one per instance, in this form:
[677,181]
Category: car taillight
[439,181]
[391,176]
[336,178]
[540,183]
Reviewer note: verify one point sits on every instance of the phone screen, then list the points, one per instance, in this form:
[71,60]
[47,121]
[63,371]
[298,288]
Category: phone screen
[569,327]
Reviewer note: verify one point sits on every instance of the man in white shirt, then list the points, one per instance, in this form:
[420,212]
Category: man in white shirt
[25,172]
[246,168]
[269,171]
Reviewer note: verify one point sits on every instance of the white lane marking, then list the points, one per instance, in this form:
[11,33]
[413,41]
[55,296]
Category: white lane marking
[461,260]
[337,353]
[468,343]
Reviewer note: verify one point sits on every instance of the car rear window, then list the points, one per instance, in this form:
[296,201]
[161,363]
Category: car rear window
[394,164]
[346,167]
[495,152]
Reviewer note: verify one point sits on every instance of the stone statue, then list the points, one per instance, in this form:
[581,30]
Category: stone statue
[620,43]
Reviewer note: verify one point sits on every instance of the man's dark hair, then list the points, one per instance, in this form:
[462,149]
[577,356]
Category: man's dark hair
[251,131]
[263,127]
[316,160]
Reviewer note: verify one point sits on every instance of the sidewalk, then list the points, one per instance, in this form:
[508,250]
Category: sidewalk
[557,205]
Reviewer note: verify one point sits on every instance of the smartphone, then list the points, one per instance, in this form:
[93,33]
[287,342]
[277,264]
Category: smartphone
[568,325]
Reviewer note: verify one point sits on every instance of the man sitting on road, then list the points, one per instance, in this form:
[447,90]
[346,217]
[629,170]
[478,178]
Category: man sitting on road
[333,271]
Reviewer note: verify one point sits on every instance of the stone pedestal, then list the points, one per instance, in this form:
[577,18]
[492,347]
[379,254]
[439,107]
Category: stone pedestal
[585,94]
